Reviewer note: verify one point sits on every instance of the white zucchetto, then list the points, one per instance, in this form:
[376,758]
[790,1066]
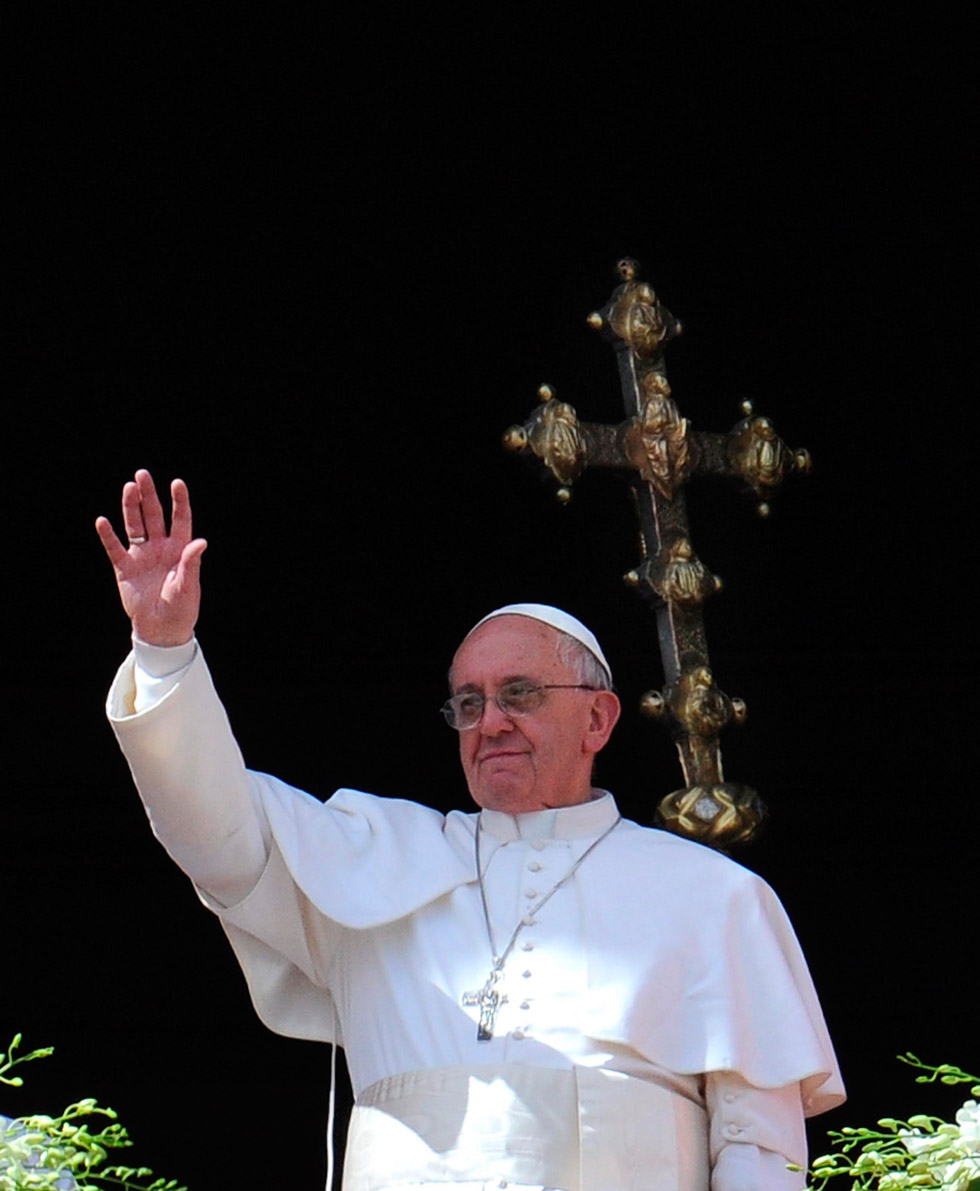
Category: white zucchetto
[557,619]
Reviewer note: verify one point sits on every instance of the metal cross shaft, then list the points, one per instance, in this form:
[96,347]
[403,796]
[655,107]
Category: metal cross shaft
[661,454]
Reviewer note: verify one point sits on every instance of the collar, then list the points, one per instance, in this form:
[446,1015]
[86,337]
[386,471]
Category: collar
[580,821]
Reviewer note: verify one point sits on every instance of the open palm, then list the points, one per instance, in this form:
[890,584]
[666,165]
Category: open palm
[159,573]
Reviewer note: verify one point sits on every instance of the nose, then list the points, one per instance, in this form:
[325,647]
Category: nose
[494,721]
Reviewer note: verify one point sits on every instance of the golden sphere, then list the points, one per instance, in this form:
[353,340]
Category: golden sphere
[653,704]
[594,320]
[564,495]
[515,438]
[545,392]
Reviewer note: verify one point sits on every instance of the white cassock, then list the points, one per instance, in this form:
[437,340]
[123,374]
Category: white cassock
[658,1030]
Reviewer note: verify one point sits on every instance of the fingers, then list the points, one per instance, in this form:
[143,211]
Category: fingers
[132,512]
[152,510]
[180,517]
[143,517]
[113,547]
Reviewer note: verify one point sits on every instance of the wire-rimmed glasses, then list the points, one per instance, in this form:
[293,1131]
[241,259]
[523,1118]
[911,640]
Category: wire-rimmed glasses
[465,710]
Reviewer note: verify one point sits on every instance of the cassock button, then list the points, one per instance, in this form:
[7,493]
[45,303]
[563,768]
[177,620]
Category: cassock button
[534,867]
[538,845]
[527,946]
[732,1130]
[526,973]
[525,1004]
[530,893]
[519,1035]
[730,1097]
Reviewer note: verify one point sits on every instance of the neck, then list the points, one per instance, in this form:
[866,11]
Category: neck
[589,796]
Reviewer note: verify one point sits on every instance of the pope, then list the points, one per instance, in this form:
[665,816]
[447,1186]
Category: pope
[537,994]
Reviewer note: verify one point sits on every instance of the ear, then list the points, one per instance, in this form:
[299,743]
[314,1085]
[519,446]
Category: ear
[603,715]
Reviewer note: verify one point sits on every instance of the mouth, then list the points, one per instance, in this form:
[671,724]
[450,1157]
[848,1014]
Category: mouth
[497,754]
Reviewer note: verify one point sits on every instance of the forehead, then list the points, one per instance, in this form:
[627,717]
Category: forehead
[508,647]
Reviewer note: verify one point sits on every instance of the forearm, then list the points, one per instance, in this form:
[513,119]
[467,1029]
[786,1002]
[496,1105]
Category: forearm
[754,1134]
[188,769]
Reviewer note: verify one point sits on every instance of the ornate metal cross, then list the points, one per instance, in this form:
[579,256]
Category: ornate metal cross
[663,453]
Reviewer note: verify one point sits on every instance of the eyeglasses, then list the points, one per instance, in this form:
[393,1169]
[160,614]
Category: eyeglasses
[464,711]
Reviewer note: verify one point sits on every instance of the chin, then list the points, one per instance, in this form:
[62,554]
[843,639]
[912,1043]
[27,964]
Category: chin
[508,802]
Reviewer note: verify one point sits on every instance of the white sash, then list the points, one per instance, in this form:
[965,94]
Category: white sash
[526,1128]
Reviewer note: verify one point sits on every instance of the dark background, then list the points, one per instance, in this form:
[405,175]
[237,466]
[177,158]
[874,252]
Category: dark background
[315,267]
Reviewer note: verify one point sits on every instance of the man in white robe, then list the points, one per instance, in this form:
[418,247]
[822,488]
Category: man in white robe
[540,995]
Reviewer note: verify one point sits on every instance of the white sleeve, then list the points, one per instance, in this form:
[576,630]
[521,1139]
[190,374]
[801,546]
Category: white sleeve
[753,1134]
[188,769]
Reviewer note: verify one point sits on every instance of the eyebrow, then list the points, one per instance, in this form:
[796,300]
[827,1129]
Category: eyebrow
[467,687]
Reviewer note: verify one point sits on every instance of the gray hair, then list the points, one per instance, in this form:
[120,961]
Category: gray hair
[582,662]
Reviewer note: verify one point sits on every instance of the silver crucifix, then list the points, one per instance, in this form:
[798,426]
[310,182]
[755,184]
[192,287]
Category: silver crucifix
[489,1001]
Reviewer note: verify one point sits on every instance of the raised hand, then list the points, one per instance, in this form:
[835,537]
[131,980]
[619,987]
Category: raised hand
[159,575]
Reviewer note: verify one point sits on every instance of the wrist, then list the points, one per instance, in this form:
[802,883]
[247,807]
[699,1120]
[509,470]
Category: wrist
[163,636]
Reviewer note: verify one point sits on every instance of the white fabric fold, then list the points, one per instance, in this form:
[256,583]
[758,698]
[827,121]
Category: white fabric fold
[688,980]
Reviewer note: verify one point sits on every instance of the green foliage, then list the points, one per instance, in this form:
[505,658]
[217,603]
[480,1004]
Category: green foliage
[922,1152]
[67,1152]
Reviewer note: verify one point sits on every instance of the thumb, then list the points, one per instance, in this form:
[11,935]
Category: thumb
[190,560]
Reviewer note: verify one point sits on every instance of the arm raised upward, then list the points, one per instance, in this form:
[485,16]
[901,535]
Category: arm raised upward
[159,574]
[184,759]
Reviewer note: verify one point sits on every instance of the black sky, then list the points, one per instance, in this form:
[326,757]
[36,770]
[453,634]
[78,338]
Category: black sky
[316,266]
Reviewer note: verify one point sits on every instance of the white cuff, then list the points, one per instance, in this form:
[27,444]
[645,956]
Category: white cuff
[748,1168]
[754,1133]
[158,669]
[158,661]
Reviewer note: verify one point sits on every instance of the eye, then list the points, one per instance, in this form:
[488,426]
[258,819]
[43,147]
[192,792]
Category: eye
[467,709]
[521,698]
[468,705]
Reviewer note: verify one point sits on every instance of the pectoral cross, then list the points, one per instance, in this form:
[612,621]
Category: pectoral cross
[662,453]
[489,1001]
